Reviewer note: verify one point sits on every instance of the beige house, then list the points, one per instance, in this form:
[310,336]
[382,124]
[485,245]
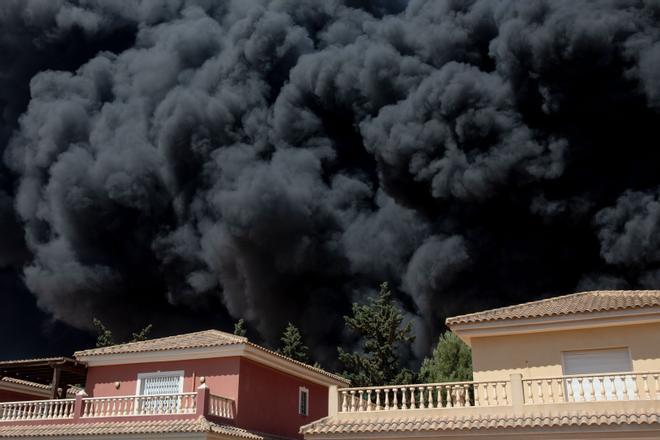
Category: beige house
[578,366]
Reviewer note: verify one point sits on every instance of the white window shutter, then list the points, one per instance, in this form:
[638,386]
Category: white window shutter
[597,361]
[615,386]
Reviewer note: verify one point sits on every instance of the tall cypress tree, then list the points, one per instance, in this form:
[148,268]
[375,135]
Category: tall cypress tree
[379,324]
[292,344]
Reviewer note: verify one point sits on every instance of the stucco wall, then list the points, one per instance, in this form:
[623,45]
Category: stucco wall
[221,376]
[12,396]
[268,401]
[539,354]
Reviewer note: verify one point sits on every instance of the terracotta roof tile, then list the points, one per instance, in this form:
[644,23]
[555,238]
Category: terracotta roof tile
[374,424]
[583,302]
[206,338]
[27,383]
[203,339]
[132,427]
[71,391]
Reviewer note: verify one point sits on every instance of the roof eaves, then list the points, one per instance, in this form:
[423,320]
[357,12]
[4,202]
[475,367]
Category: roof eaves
[335,377]
[491,315]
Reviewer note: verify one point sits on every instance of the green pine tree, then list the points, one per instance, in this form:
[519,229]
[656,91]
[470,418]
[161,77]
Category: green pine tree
[142,335]
[292,344]
[239,328]
[103,334]
[104,337]
[379,323]
[451,361]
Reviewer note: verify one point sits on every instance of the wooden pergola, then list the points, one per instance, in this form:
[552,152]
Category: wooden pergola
[58,372]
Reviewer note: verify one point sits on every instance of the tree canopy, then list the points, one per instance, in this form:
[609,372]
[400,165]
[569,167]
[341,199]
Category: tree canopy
[103,334]
[239,328]
[292,344]
[450,361]
[379,325]
[141,335]
[105,338]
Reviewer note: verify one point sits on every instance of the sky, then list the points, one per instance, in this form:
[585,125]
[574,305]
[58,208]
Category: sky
[187,163]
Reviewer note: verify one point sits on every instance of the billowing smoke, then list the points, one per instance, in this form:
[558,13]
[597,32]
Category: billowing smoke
[191,162]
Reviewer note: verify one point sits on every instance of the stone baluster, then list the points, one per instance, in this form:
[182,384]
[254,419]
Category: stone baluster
[344,401]
[626,390]
[580,390]
[449,390]
[551,397]
[645,387]
[387,398]
[378,408]
[413,397]
[429,396]
[601,391]
[539,387]
[560,390]
[530,392]
[458,400]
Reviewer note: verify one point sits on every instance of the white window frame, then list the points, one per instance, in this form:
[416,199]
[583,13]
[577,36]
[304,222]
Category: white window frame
[142,376]
[301,391]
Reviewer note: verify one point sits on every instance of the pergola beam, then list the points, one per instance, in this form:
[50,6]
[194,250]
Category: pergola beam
[56,372]
[55,383]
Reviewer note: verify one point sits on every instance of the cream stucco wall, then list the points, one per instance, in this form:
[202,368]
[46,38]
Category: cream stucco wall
[540,354]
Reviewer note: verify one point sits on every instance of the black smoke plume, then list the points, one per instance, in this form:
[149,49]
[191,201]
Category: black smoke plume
[191,162]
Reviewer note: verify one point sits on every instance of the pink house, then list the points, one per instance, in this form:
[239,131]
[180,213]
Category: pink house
[208,384]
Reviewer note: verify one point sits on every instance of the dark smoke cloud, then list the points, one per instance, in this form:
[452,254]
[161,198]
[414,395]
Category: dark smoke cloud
[188,163]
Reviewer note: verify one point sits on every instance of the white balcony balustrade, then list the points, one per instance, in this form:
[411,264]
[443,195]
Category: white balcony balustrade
[221,407]
[592,388]
[82,408]
[538,391]
[37,410]
[424,396]
[159,404]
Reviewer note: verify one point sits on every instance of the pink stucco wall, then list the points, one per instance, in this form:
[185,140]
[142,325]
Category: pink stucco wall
[268,400]
[12,396]
[221,376]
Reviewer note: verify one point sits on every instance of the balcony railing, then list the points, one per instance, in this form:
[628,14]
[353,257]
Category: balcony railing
[82,408]
[424,396]
[161,404]
[221,407]
[552,390]
[592,388]
[37,410]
